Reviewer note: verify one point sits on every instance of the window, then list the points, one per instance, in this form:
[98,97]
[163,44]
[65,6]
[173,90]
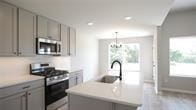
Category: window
[183,56]
[129,55]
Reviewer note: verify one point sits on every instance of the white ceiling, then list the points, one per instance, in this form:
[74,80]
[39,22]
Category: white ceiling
[179,5]
[107,15]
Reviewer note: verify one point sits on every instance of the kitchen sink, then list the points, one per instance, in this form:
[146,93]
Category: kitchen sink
[108,79]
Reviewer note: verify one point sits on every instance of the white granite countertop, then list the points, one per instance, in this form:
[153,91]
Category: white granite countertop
[120,92]
[15,80]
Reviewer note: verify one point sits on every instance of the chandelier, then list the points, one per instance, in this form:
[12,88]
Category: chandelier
[116,44]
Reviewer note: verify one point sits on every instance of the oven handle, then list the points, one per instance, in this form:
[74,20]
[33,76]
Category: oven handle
[54,82]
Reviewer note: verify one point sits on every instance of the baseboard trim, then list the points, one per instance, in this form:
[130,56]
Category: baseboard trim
[148,81]
[178,90]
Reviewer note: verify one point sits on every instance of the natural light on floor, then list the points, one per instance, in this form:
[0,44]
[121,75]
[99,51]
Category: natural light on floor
[183,56]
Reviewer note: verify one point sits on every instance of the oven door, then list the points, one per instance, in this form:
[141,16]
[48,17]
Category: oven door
[56,91]
[47,47]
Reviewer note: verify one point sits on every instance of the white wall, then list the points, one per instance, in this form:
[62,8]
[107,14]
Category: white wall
[176,24]
[145,58]
[86,56]
[13,66]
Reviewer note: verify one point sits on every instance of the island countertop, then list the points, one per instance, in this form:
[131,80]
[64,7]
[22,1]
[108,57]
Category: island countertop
[119,92]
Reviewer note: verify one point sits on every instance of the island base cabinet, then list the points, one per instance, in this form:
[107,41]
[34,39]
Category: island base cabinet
[77,102]
[123,107]
[15,102]
[83,103]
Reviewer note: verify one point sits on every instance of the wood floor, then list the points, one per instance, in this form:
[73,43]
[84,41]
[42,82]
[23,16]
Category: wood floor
[165,101]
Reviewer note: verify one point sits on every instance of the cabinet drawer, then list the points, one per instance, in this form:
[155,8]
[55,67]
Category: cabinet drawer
[20,88]
[76,73]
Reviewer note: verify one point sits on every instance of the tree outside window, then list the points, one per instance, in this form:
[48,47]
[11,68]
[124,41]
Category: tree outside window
[182,56]
[128,54]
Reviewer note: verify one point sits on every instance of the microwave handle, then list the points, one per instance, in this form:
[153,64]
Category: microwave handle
[58,48]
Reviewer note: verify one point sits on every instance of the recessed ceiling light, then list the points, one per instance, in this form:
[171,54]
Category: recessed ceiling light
[90,23]
[128,18]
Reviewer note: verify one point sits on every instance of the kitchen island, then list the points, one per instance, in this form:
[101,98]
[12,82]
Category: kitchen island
[95,95]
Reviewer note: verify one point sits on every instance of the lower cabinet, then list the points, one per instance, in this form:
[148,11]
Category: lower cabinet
[75,78]
[15,102]
[35,99]
[123,107]
[28,96]
[77,102]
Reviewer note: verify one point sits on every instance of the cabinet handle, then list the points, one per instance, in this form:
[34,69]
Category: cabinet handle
[14,52]
[24,95]
[26,87]
[49,37]
[76,80]
[20,53]
[29,93]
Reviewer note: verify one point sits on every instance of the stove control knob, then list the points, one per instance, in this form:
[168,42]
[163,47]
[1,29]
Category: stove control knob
[51,78]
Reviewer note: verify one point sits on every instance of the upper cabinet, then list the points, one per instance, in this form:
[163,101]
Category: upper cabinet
[54,30]
[26,33]
[42,24]
[19,29]
[64,40]
[47,28]
[72,41]
[8,30]
[68,39]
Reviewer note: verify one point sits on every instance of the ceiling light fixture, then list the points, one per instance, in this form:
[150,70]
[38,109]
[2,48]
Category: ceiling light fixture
[116,44]
[128,18]
[90,23]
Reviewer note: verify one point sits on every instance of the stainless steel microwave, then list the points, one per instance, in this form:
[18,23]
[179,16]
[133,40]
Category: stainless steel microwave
[48,47]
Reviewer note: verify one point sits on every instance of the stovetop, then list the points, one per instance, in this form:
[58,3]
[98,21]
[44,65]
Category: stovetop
[51,72]
[52,75]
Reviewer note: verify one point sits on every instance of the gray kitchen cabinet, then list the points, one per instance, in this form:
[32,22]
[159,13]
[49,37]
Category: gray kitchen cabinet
[27,96]
[15,102]
[123,107]
[77,102]
[42,24]
[72,41]
[8,30]
[26,33]
[35,99]
[54,30]
[72,81]
[76,78]
[47,28]
[64,40]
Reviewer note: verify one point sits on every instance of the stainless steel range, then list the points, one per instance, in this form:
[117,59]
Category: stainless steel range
[56,81]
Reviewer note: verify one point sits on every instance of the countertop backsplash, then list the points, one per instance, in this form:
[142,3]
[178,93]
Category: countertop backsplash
[16,66]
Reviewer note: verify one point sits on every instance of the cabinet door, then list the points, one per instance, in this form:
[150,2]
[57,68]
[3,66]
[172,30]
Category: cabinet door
[27,29]
[8,34]
[36,99]
[72,40]
[124,107]
[54,30]
[79,78]
[42,24]
[77,102]
[16,102]
[64,40]
[72,81]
